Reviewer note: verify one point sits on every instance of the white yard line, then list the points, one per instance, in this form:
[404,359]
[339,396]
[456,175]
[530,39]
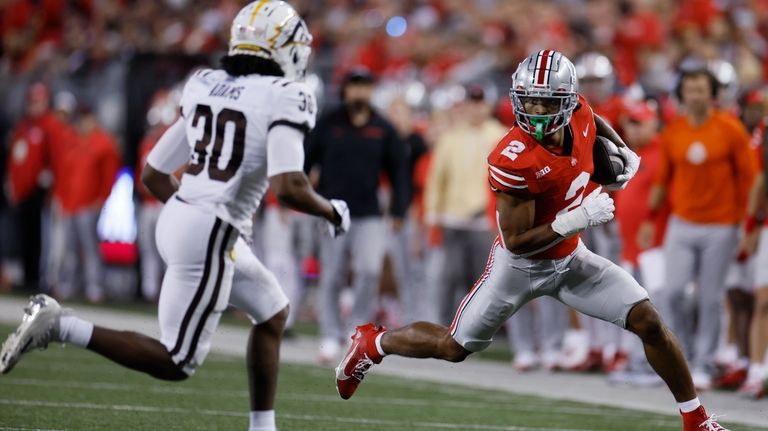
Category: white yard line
[4,428]
[389,401]
[310,418]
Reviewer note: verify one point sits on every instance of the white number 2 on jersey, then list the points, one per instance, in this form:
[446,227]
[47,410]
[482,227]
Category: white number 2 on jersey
[513,149]
[577,188]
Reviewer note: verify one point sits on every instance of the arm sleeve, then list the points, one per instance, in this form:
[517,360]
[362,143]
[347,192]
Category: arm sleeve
[397,169]
[503,179]
[295,108]
[285,150]
[171,151]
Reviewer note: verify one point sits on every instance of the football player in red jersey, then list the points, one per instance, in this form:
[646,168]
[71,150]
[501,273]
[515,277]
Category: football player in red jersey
[540,172]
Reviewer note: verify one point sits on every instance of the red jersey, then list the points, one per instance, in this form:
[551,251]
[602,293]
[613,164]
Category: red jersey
[520,166]
[32,142]
[91,166]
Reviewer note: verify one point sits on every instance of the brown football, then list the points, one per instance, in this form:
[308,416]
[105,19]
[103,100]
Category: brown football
[608,161]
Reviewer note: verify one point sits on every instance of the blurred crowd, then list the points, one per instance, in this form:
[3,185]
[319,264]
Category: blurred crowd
[88,86]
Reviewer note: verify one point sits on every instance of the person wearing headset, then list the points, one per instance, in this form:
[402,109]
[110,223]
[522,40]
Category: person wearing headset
[706,167]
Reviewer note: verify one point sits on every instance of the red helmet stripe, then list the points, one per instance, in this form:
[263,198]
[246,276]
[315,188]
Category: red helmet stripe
[543,67]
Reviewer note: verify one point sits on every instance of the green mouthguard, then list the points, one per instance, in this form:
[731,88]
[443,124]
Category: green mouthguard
[540,123]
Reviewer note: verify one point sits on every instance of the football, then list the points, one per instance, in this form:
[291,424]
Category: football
[608,161]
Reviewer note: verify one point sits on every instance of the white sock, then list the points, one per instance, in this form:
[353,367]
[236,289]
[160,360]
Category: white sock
[742,362]
[378,345]
[755,373]
[689,406]
[262,420]
[75,330]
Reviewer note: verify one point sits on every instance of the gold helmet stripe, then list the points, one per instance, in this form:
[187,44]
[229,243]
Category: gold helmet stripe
[254,48]
[256,11]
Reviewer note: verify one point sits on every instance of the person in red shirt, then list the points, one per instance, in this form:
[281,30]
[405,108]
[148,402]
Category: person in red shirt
[28,176]
[89,167]
[755,243]
[740,281]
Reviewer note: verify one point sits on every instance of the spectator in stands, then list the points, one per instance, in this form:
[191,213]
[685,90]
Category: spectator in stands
[29,178]
[457,196]
[740,280]
[351,146]
[404,247]
[755,242]
[706,167]
[90,165]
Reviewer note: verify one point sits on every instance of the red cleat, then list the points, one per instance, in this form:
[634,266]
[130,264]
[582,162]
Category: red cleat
[698,420]
[753,390]
[591,364]
[732,379]
[360,357]
[619,362]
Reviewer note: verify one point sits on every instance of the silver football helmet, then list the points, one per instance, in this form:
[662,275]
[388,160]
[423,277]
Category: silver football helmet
[546,74]
[272,30]
[596,69]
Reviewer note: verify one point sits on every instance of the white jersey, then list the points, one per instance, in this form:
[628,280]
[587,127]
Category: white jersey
[227,122]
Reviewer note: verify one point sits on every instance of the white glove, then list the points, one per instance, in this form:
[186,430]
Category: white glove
[342,210]
[631,165]
[596,209]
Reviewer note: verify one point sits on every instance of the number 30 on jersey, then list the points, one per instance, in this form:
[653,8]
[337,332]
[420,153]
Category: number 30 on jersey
[201,156]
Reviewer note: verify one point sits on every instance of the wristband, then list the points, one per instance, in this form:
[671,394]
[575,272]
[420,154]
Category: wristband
[751,223]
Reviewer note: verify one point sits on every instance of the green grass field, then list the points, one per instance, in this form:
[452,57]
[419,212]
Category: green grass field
[67,388]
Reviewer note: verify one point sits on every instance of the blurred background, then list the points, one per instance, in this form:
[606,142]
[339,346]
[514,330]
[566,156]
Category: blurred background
[88,86]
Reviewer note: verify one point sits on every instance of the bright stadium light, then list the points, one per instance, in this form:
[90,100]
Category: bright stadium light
[396,26]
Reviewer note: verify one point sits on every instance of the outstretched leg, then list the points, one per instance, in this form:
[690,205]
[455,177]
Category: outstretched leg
[44,321]
[666,357]
[662,350]
[423,340]
[371,343]
[137,352]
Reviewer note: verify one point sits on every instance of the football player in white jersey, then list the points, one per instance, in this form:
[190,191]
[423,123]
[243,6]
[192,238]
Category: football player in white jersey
[242,129]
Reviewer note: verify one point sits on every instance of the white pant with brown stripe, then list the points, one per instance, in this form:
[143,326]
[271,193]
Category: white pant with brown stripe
[206,262]
[583,280]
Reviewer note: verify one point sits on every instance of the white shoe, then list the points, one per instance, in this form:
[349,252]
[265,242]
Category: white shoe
[329,351]
[701,380]
[550,360]
[39,326]
[525,361]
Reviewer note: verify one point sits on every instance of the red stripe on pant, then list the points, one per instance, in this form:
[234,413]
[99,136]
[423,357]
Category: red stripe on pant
[475,288]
